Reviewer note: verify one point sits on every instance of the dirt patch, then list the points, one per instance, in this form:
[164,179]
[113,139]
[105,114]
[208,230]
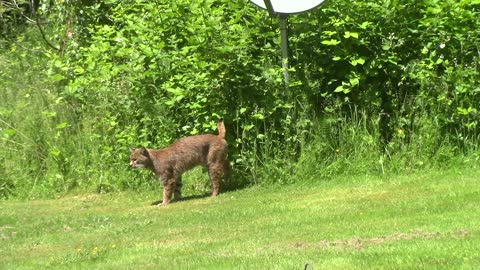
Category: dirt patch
[358,243]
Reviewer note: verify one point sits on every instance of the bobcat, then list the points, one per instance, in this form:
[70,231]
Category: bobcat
[170,163]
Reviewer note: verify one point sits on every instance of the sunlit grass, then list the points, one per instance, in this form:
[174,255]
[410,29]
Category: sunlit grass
[427,220]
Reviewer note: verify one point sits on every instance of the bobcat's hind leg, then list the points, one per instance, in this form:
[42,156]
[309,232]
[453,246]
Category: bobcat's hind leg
[177,194]
[215,172]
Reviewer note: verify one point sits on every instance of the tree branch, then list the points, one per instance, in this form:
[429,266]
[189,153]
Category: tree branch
[44,36]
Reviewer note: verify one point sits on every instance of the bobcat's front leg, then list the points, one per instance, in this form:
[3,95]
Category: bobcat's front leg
[168,188]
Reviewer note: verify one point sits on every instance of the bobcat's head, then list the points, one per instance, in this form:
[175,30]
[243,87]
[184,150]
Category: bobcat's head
[139,158]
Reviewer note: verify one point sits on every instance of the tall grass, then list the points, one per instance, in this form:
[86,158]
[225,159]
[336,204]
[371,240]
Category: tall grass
[25,122]
[341,144]
[47,147]
[351,144]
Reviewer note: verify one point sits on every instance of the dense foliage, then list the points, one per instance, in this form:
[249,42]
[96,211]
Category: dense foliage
[376,86]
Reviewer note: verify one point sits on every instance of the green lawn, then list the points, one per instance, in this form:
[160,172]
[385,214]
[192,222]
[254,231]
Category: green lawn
[421,221]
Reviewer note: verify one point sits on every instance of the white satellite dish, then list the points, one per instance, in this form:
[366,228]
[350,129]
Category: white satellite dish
[289,6]
[281,9]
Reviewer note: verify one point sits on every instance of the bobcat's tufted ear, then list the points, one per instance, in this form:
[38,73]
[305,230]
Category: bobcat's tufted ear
[145,152]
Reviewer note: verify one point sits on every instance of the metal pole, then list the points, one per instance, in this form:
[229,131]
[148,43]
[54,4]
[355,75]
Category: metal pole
[269,7]
[283,36]
[284,43]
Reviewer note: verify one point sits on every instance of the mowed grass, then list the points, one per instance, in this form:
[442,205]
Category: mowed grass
[427,220]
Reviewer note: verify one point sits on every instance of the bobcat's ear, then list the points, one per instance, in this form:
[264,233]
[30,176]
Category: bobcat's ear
[132,150]
[145,152]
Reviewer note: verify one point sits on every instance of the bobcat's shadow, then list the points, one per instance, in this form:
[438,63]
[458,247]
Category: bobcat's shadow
[234,184]
[186,198]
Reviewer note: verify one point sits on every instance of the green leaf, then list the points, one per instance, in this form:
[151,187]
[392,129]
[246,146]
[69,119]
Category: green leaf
[258,116]
[49,114]
[364,25]
[464,111]
[357,61]
[338,89]
[9,132]
[354,81]
[349,34]
[55,153]
[57,77]
[62,125]
[79,71]
[342,89]
[248,127]
[331,42]
[329,33]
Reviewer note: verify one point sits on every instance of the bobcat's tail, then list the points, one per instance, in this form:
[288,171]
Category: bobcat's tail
[221,129]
